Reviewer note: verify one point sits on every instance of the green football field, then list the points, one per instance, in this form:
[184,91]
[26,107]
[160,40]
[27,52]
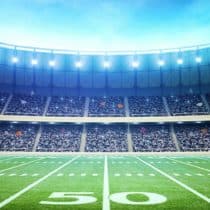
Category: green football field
[104,182]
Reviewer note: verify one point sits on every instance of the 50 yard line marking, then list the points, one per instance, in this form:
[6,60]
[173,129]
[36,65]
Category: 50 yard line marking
[106,202]
[176,181]
[30,186]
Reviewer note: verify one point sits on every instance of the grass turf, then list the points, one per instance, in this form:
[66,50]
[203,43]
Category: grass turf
[86,174]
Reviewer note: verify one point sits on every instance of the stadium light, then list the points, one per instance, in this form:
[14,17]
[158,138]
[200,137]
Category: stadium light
[78,64]
[52,63]
[135,64]
[15,59]
[180,61]
[198,59]
[34,62]
[106,64]
[161,62]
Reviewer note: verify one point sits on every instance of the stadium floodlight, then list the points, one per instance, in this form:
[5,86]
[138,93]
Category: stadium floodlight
[135,64]
[78,64]
[52,63]
[106,64]
[34,62]
[180,61]
[161,62]
[15,59]
[198,59]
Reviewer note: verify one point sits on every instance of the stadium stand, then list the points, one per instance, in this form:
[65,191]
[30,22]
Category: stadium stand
[208,98]
[106,138]
[106,106]
[151,138]
[186,105]
[66,106]
[146,106]
[21,104]
[3,100]
[17,137]
[193,137]
[60,138]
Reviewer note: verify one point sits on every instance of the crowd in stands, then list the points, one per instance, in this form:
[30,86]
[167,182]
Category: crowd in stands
[66,106]
[3,100]
[146,106]
[107,106]
[186,105]
[106,138]
[60,138]
[26,105]
[17,137]
[151,138]
[193,137]
[110,106]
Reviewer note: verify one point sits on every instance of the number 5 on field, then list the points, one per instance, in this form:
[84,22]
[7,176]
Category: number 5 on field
[77,198]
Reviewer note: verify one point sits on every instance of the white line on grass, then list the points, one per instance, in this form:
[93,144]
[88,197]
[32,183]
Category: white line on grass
[10,158]
[176,181]
[29,187]
[106,203]
[189,164]
[22,164]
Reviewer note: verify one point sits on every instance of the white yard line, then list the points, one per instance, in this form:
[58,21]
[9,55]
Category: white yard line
[106,202]
[16,166]
[176,181]
[29,187]
[6,159]
[189,164]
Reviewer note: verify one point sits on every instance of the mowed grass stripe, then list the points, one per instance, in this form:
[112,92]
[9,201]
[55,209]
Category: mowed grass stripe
[189,164]
[30,186]
[203,197]
[19,165]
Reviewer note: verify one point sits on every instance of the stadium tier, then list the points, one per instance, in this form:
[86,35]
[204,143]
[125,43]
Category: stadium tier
[110,106]
[106,107]
[146,106]
[60,138]
[17,137]
[152,139]
[66,106]
[26,105]
[105,138]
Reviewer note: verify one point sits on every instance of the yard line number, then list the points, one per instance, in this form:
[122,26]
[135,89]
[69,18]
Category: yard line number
[78,198]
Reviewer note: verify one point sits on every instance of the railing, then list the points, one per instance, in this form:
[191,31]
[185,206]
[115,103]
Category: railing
[127,52]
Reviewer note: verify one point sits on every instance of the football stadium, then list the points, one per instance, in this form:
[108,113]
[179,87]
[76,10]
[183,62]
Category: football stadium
[105,105]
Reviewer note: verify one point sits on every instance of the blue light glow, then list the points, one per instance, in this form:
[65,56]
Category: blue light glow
[105,25]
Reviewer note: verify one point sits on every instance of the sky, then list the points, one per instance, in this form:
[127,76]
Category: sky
[105,25]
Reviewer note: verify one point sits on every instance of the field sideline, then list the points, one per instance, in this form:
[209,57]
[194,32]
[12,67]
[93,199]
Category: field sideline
[106,182]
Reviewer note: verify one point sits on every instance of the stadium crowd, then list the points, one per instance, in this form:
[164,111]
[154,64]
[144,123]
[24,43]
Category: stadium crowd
[186,105]
[17,137]
[146,106]
[106,138]
[106,106]
[66,106]
[3,100]
[193,137]
[151,138]
[26,105]
[60,138]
